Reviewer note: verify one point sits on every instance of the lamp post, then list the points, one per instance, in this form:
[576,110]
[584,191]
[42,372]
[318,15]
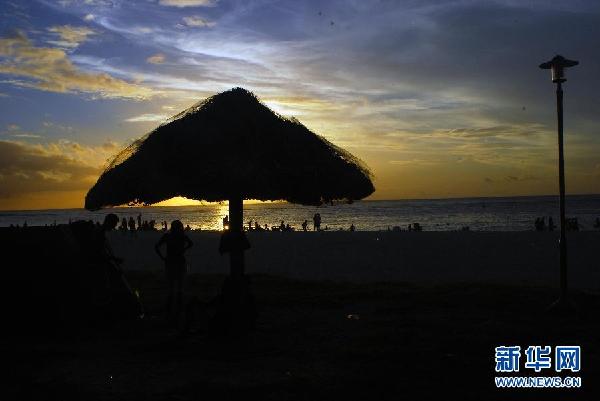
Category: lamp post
[557,65]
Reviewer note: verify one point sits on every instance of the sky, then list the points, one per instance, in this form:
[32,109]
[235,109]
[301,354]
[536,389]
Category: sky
[439,98]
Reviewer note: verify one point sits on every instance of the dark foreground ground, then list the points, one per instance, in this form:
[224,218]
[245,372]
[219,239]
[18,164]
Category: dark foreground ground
[314,341]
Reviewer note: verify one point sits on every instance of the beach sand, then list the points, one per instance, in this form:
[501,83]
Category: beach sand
[511,258]
[342,316]
[313,341]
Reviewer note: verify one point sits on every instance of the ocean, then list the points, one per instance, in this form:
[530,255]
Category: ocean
[479,214]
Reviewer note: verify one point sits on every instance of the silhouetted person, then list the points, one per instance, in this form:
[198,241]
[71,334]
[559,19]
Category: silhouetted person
[226,223]
[551,225]
[131,224]
[282,226]
[572,224]
[103,262]
[305,225]
[175,264]
[103,247]
[540,223]
[139,221]
[352,228]
[123,225]
[317,222]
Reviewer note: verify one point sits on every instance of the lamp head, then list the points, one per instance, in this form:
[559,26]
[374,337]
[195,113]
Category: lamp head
[557,65]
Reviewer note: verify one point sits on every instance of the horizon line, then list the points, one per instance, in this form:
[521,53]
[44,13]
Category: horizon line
[283,201]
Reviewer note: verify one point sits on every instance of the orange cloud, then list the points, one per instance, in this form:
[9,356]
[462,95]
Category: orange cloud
[50,69]
[59,168]
[70,36]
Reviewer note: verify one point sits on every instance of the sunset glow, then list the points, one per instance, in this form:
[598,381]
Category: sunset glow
[183,201]
[439,99]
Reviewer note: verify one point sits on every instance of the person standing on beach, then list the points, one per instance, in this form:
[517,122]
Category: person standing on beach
[317,222]
[102,261]
[103,246]
[226,222]
[131,224]
[175,264]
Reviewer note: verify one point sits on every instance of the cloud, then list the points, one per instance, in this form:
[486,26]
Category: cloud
[15,131]
[94,3]
[523,131]
[61,166]
[50,69]
[188,3]
[57,127]
[156,59]
[110,146]
[147,118]
[445,86]
[70,36]
[196,21]
[523,178]
[89,17]
[26,135]
[416,162]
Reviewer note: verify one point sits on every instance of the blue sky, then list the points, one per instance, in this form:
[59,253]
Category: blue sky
[439,98]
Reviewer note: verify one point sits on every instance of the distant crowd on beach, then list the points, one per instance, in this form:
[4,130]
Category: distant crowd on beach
[253,225]
[410,227]
[135,224]
[540,224]
[571,224]
[145,225]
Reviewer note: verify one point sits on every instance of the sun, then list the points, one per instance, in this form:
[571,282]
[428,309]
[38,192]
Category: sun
[178,201]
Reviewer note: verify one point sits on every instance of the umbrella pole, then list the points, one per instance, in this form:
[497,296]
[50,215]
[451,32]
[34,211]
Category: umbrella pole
[236,312]
[236,224]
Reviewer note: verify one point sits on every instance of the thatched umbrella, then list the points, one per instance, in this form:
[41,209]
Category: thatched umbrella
[231,147]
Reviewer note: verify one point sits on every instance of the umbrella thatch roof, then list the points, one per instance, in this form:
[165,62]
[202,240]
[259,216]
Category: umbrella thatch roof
[231,146]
